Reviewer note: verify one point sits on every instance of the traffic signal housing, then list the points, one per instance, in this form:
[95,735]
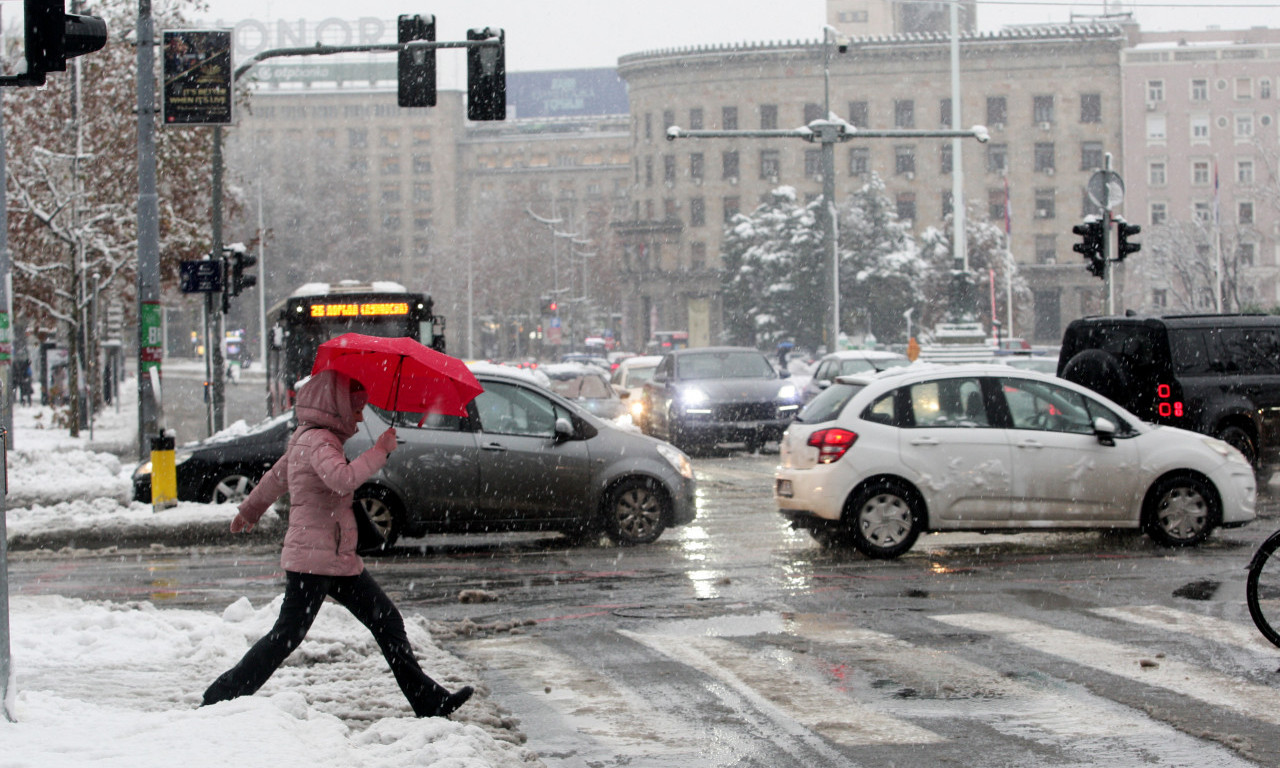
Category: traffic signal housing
[1091,245]
[416,67]
[549,306]
[240,261]
[487,75]
[50,37]
[1124,231]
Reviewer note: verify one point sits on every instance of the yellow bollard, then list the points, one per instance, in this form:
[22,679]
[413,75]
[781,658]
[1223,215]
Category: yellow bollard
[164,473]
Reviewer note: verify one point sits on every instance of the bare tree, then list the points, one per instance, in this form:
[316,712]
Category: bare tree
[1178,268]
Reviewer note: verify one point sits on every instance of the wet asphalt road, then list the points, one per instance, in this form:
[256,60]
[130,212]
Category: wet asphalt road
[737,642]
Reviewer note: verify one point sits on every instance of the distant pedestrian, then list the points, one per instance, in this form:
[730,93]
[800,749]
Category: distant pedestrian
[319,556]
[24,385]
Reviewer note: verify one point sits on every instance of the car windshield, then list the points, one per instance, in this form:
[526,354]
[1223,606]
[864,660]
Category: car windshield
[636,377]
[724,365]
[829,403]
[589,387]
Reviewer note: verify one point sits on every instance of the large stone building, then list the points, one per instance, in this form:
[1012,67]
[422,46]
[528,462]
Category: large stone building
[1051,97]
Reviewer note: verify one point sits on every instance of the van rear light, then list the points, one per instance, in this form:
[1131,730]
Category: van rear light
[1167,403]
[832,443]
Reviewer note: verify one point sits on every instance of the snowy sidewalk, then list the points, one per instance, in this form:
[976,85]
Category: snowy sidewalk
[107,684]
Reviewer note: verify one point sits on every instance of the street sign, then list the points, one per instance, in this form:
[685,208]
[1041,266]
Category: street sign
[1106,189]
[200,276]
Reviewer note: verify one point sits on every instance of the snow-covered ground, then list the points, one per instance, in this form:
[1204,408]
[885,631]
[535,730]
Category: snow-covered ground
[118,684]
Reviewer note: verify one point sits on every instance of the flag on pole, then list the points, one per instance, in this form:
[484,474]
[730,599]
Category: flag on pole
[1215,193]
[1007,219]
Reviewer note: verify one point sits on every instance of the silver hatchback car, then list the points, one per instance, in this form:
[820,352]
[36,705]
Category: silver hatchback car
[523,459]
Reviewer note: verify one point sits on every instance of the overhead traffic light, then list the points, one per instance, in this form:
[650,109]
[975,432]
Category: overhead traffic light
[50,37]
[487,75]
[1124,231]
[1091,245]
[416,67]
[549,306]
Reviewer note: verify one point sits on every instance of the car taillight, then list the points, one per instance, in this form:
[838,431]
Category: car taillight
[1167,404]
[832,443]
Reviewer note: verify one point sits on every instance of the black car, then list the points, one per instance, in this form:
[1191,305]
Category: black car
[710,395]
[225,467]
[1214,374]
[523,459]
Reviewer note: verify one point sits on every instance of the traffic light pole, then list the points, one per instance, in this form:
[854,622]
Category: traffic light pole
[1106,241]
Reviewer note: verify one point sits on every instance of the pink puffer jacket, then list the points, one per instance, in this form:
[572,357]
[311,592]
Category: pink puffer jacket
[322,527]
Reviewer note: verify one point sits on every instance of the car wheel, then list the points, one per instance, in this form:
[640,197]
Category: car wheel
[1239,439]
[1180,510]
[380,506]
[634,511]
[1099,371]
[232,489]
[885,519]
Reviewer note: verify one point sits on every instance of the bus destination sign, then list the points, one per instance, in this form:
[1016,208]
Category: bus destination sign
[359,309]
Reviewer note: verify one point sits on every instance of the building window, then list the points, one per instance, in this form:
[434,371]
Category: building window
[697,211]
[731,205]
[695,118]
[1200,172]
[1090,107]
[1044,162]
[859,161]
[858,113]
[668,118]
[1155,90]
[904,113]
[696,162]
[648,126]
[729,165]
[729,118]
[1091,156]
[697,256]
[946,160]
[904,160]
[1264,89]
[1244,212]
[669,209]
[770,164]
[390,194]
[357,138]
[422,163]
[948,203]
[768,117]
[906,206]
[813,112]
[1159,298]
[813,163]
[997,111]
[648,171]
[422,193]
[1199,89]
[1159,213]
[1244,171]
[1045,208]
[997,158]
[1244,88]
[1244,254]
[1244,126]
[1042,110]
[1200,128]
[1156,173]
[1156,128]
[390,165]
[669,169]
[1201,211]
[1046,249]
[944,113]
[995,204]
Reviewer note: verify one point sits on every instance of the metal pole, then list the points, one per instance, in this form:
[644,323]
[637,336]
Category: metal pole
[959,237]
[1106,239]
[150,351]
[6,670]
[829,137]
[215,342]
[262,286]
[6,300]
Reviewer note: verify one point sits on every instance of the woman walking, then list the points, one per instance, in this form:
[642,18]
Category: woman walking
[319,556]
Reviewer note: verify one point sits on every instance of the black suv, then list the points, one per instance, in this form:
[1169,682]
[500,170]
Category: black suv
[1214,374]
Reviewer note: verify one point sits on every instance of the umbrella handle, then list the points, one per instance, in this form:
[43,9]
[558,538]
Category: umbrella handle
[395,394]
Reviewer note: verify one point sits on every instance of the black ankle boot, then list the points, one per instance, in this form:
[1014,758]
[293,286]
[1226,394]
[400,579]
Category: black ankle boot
[453,701]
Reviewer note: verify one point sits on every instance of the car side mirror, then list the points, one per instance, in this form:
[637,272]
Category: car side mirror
[660,378]
[564,429]
[1105,431]
[624,394]
[784,374]
[824,383]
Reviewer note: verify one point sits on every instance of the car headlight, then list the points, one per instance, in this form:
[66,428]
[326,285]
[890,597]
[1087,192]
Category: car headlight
[1226,450]
[178,459]
[677,459]
[788,392]
[637,409]
[692,396]
[143,469]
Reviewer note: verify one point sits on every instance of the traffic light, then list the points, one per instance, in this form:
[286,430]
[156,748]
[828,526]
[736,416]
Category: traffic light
[240,261]
[50,37]
[487,76]
[416,67]
[549,306]
[1124,231]
[1091,245]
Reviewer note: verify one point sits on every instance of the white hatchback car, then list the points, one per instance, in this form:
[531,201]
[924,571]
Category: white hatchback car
[874,462]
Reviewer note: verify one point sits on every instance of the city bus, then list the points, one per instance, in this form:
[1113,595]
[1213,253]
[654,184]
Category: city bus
[317,312]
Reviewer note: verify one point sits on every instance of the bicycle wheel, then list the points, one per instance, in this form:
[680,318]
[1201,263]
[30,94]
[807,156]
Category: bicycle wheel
[1262,591]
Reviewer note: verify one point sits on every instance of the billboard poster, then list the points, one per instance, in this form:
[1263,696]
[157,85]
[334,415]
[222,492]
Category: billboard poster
[197,77]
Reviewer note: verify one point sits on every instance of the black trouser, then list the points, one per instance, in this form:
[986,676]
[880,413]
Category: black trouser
[303,595]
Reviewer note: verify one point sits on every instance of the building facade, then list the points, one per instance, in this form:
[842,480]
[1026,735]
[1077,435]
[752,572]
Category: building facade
[1051,97]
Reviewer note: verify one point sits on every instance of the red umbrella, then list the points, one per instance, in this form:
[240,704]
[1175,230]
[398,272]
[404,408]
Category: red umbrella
[401,374]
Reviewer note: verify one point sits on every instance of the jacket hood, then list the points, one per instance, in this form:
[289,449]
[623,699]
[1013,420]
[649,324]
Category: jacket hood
[325,401]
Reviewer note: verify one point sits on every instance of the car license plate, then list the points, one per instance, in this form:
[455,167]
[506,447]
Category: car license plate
[784,489]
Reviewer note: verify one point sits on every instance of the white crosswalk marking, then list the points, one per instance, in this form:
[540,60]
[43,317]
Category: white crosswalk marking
[1208,627]
[1249,699]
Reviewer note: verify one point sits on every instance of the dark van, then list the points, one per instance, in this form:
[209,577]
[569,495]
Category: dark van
[1214,374]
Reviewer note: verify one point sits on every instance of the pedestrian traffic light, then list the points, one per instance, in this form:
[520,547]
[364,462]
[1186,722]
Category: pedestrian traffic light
[50,37]
[1091,245]
[487,75]
[240,261]
[416,67]
[1124,231]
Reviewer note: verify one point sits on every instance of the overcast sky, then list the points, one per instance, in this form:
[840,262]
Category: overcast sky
[554,34]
